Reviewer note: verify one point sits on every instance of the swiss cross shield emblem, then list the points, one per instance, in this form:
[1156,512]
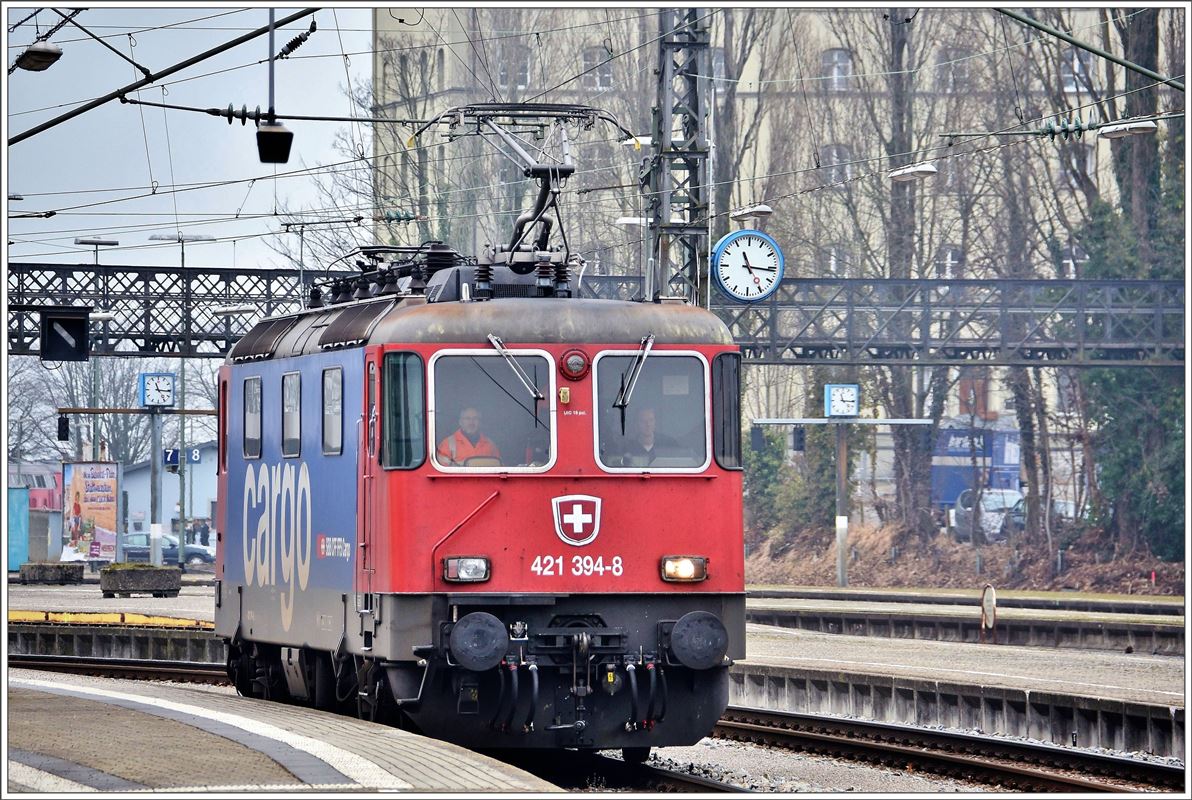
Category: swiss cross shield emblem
[577,518]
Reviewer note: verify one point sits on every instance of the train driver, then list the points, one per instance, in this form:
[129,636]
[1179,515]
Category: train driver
[642,449]
[467,442]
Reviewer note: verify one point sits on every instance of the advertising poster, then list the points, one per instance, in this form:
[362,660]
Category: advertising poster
[91,491]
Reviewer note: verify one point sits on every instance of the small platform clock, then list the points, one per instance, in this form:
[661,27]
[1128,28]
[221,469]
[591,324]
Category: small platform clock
[747,265]
[157,389]
[842,399]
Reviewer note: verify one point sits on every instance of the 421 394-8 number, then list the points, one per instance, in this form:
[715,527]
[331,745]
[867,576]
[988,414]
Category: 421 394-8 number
[547,566]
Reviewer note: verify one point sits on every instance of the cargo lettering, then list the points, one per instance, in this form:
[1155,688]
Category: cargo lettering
[280,550]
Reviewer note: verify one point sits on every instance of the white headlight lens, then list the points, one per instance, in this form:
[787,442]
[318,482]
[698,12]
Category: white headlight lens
[466,569]
[684,568]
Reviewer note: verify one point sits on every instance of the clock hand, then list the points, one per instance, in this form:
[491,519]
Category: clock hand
[745,258]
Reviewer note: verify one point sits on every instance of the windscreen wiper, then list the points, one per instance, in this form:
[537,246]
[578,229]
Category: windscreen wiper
[629,377]
[496,342]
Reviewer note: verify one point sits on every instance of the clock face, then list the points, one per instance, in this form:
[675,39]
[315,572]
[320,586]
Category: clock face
[748,265]
[159,390]
[843,401]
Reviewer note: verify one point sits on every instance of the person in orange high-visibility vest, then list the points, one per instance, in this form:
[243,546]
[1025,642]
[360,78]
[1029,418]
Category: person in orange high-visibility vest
[467,441]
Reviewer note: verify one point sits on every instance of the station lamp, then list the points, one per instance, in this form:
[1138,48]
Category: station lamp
[39,56]
[915,172]
[1123,129]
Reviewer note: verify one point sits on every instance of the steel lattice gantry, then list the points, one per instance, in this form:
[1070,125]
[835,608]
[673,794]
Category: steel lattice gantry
[172,311]
[169,311]
[674,177]
[964,322]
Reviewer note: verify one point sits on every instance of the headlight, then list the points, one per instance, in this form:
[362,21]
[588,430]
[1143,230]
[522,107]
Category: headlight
[684,568]
[466,569]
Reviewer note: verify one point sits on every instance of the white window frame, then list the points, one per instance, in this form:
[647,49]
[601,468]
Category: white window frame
[834,79]
[1076,70]
[432,435]
[832,253]
[953,271]
[601,75]
[707,414]
[843,165]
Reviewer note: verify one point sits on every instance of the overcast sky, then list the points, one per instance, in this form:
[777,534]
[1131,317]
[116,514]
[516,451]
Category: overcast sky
[120,151]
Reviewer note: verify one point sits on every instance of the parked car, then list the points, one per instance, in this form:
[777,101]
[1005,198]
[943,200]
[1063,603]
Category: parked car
[996,505]
[1015,518]
[136,548]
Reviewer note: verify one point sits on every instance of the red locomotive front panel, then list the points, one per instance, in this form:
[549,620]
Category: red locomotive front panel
[548,468]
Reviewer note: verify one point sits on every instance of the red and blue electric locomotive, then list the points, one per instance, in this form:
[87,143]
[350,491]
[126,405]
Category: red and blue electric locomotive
[469,503]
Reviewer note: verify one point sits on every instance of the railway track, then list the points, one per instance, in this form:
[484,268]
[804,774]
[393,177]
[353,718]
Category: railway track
[138,669]
[1013,764]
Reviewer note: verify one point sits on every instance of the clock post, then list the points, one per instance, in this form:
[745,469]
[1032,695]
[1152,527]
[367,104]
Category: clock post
[155,481]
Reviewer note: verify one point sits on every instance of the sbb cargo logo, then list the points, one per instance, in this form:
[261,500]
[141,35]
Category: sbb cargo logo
[333,547]
[277,498]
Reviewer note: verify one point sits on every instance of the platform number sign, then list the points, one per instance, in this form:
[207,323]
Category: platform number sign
[169,456]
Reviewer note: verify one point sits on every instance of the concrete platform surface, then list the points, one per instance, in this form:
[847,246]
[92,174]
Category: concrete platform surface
[966,611]
[192,602]
[71,733]
[1134,678]
[1017,598]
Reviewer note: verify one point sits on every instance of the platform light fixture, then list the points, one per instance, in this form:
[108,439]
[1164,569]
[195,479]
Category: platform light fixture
[915,172]
[1123,129]
[232,311]
[39,56]
[758,211]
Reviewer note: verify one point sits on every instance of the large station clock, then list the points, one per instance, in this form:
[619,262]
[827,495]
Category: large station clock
[747,265]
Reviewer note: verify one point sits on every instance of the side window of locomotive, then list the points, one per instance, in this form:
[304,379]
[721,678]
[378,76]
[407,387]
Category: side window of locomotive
[663,426]
[252,417]
[486,417]
[291,414]
[333,411]
[404,432]
[726,410]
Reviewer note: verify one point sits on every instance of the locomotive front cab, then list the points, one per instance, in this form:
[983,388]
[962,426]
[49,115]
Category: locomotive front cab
[579,548]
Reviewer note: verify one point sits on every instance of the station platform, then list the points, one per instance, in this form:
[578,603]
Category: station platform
[70,733]
[1130,702]
[906,618]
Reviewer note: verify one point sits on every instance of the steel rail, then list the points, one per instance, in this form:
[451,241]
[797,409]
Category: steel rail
[1035,767]
[137,668]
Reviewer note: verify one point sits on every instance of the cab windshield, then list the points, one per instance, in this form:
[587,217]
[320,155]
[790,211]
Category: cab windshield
[664,425]
[485,417]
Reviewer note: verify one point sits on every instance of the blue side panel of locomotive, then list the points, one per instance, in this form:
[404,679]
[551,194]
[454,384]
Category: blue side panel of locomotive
[291,526]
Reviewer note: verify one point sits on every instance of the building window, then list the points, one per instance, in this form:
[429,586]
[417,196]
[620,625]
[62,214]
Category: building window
[1077,164]
[1072,261]
[836,161]
[952,70]
[837,261]
[718,67]
[836,67]
[333,411]
[949,262]
[598,69]
[252,417]
[513,72]
[291,415]
[1076,70]
[1066,395]
[974,395]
